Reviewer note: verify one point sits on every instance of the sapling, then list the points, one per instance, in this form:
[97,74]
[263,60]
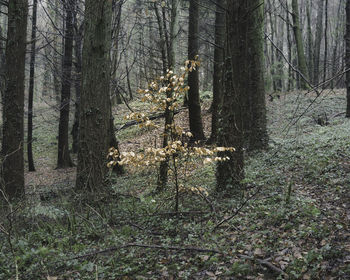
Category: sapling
[166,93]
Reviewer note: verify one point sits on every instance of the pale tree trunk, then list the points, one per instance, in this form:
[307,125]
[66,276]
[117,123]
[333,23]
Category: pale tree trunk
[318,40]
[31,90]
[13,107]
[299,44]
[95,108]
[194,106]
[310,46]
[325,62]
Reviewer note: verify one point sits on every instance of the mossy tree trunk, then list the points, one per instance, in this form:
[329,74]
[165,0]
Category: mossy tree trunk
[194,106]
[95,100]
[243,110]
[13,107]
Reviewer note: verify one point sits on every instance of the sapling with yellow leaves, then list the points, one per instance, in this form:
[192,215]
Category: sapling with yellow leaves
[166,94]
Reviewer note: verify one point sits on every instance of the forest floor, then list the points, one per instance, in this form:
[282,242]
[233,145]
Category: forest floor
[291,220]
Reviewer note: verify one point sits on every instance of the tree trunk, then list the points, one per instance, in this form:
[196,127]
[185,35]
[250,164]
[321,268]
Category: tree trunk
[310,45]
[218,86]
[63,159]
[325,61]
[95,96]
[299,44]
[164,165]
[13,107]
[77,84]
[194,106]
[347,58]
[318,40]
[31,90]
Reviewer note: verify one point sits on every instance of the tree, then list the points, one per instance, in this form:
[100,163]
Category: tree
[299,44]
[318,40]
[31,90]
[194,106]
[13,107]
[164,166]
[218,85]
[63,158]
[94,118]
[244,99]
[347,57]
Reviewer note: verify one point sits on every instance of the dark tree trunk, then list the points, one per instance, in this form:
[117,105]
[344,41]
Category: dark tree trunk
[31,91]
[13,107]
[194,107]
[347,58]
[95,96]
[77,84]
[218,85]
[64,159]
[325,61]
[164,165]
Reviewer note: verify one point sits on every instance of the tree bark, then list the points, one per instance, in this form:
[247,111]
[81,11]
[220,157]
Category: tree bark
[218,86]
[164,165]
[194,107]
[299,44]
[31,90]
[318,40]
[95,96]
[347,57]
[13,107]
[63,158]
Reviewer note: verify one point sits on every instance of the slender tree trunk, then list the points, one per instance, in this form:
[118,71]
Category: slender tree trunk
[218,86]
[64,159]
[299,44]
[310,45]
[325,61]
[95,108]
[77,85]
[164,165]
[289,42]
[31,90]
[347,57]
[318,40]
[13,107]
[194,106]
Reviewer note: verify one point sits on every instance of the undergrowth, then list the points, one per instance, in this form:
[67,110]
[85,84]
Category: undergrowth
[295,217]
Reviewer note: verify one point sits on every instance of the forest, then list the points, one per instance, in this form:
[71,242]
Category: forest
[175,139]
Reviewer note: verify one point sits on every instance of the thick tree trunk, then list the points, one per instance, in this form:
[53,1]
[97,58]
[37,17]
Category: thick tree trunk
[218,86]
[299,44]
[194,106]
[63,159]
[95,98]
[13,107]
[347,58]
[31,90]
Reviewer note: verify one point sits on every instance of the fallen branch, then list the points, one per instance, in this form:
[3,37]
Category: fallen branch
[151,118]
[265,263]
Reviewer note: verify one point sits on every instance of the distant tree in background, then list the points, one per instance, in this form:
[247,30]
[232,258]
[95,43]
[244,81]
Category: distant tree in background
[347,57]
